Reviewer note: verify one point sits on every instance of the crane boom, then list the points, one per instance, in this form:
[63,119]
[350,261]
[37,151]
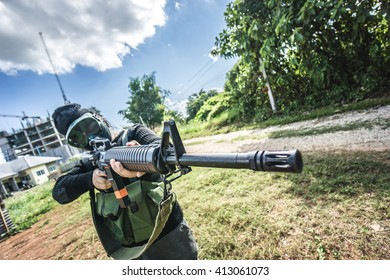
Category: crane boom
[66,101]
[23,117]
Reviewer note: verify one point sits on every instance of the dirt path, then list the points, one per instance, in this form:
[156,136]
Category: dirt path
[51,239]
[58,242]
[377,137]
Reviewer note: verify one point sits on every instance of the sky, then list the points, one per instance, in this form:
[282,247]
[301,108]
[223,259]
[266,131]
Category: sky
[97,46]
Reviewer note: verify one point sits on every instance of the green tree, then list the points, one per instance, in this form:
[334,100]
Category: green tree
[196,100]
[214,107]
[316,52]
[248,92]
[146,101]
[174,115]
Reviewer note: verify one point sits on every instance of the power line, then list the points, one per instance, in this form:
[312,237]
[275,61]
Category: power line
[213,79]
[207,70]
[193,77]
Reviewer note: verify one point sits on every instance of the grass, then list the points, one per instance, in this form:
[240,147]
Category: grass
[27,207]
[338,208]
[218,125]
[384,124]
[329,211]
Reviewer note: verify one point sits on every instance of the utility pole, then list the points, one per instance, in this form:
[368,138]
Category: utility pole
[66,101]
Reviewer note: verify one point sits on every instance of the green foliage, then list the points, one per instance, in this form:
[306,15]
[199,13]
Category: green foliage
[315,53]
[196,100]
[213,107]
[173,115]
[223,123]
[146,101]
[248,94]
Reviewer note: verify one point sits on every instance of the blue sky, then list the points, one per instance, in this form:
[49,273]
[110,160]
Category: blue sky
[96,47]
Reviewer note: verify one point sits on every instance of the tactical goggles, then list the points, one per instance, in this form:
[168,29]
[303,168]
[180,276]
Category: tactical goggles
[84,129]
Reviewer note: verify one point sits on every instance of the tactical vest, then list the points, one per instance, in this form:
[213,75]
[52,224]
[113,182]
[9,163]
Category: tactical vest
[126,233]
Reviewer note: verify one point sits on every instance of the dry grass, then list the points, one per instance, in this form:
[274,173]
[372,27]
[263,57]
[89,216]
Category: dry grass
[338,208]
[338,214]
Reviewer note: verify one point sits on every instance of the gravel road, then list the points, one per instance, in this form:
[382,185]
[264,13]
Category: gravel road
[374,134]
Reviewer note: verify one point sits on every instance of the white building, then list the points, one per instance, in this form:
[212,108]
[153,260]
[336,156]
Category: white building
[27,170]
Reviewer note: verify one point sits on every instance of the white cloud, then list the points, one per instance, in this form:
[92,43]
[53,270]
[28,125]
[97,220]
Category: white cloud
[179,106]
[91,33]
[178,5]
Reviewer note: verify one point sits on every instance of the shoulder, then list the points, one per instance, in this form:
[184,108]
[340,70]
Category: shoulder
[137,132]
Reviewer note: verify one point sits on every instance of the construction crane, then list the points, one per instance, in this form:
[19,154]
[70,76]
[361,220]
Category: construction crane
[66,101]
[23,117]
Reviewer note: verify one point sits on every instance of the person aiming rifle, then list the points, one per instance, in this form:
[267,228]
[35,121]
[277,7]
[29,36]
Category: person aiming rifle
[135,212]
[124,232]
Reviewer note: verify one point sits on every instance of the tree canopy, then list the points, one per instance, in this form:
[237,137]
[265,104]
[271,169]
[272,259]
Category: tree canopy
[196,101]
[316,52]
[146,101]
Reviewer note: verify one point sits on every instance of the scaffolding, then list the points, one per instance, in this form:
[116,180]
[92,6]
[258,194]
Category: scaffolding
[7,227]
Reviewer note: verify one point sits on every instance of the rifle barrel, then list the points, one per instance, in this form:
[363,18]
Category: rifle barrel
[272,161]
[147,159]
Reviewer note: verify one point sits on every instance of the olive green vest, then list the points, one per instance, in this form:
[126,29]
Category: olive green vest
[126,233]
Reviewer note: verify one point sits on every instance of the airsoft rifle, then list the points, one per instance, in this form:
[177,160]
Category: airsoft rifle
[170,158]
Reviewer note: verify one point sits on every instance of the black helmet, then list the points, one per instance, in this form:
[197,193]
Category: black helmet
[79,125]
[63,116]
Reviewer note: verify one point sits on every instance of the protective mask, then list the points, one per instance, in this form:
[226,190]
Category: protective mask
[85,129]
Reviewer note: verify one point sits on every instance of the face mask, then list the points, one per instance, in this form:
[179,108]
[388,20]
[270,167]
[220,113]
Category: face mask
[85,129]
